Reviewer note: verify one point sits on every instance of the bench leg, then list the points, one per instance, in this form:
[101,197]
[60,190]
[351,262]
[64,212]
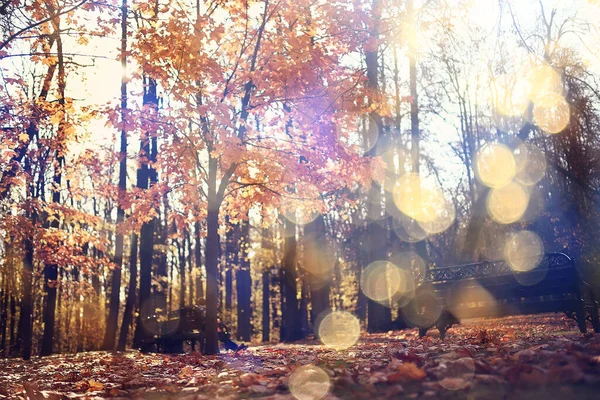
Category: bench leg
[580,318]
[595,318]
[443,330]
[444,323]
[422,332]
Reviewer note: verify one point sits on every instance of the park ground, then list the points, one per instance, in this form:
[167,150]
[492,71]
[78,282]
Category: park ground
[529,357]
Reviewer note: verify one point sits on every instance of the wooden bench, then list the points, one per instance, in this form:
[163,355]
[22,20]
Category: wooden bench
[492,289]
[168,332]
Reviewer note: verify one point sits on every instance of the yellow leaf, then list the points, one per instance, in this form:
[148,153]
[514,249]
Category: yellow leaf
[95,386]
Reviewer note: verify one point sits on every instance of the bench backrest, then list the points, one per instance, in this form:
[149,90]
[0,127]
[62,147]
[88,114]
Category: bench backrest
[187,319]
[555,275]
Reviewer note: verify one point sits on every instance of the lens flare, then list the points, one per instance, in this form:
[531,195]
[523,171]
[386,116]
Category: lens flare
[309,382]
[418,199]
[457,374]
[409,265]
[370,135]
[551,113]
[508,203]
[510,94]
[530,164]
[318,261]
[303,206]
[407,229]
[443,218]
[424,310]
[381,280]
[543,80]
[339,330]
[495,165]
[523,251]
[471,294]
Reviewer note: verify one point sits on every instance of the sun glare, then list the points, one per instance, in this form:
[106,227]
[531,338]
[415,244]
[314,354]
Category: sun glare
[508,203]
[495,165]
[339,330]
[309,382]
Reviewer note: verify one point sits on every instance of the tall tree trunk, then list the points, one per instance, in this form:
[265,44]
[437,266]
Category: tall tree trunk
[161,288]
[212,261]
[25,320]
[13,320]
[243,281]
[232,239]
[198,259]
[3,318]
[51,270]
[266,289]
[78,331]
[144,176]
[315,248]
[59,312]
[291,313]
[378,316]
[188,259]
[414,102]
[266,305]
[115,288]
[181,253]
[131,296]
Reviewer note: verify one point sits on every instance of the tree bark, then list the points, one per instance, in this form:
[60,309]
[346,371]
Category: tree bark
[212,261]
[51,270]
[291,313]
[144,178]
[378,316]
[115,288]
[243,281]
[131,295]
[231,260]
[198,258]
[181,253]
[315,242]
[266,306]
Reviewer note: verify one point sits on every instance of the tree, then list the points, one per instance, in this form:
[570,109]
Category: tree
[113,310]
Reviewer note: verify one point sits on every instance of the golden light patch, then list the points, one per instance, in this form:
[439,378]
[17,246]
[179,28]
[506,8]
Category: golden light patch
[318,261]
[370,135]
[508,203]
[416,198]
[309,382]
[303,206]
[543,80]
[530,164]
[494,165]
[408,229]
[409,264]
[510,95]
[523,251]
[424,310]
[381,280]
[409,261]
[551,113]
[339,330]
[443,218]
[470,294]
[458,375]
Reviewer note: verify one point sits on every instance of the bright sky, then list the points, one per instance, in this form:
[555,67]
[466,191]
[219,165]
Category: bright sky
[100,84]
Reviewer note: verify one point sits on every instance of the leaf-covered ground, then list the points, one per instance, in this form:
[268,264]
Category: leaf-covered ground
[533,357]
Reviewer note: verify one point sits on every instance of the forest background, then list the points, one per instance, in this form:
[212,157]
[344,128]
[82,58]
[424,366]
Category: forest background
[262,156]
